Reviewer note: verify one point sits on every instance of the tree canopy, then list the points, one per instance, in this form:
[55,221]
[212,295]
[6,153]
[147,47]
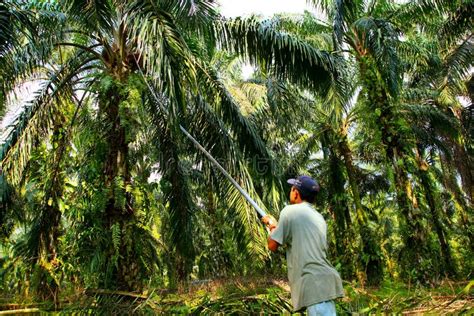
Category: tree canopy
[100,189]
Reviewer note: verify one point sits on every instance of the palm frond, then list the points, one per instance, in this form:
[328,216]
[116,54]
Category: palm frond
[14,21]
[245,132]
[299,161]
[244,218]
[177,190]
[285,104]
[307,27]
[212,132]
[23,63]
[229,141]
[284,55]
[459,62]
[344,13]
[426,11]
[305,24]
[210,129]
[420,95]
[27,248]
[35,121]
[420,54]
[252,93]
[28,42]
[432,126]
[157,35]
[192,14]
[459,22]
[380,39]
[324,5]
[93,15]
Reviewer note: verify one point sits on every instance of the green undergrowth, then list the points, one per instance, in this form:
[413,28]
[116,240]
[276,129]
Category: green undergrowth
[397,298]
[259,297]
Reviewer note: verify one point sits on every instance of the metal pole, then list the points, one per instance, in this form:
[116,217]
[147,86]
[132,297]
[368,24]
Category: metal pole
[224,172]
[259,210]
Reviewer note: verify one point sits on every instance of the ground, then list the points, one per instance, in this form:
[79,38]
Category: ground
[257,296]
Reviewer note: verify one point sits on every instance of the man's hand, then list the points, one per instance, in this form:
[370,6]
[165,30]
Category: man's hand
[270,222]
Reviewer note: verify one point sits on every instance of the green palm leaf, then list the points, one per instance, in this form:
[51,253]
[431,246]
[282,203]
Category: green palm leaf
[459,22]
[90,14]
[13,21]
[380,38]
[246,133]
[287,57]
[177,184]
[458,63]
[35,121]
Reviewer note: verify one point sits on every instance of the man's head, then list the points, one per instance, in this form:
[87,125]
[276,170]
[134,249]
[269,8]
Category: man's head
[304,188]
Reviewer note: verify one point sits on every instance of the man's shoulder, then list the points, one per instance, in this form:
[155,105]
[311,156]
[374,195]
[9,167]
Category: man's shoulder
[296,209]
[290,208]
[302,206]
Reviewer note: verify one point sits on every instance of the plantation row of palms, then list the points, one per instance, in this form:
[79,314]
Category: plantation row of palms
[100,189]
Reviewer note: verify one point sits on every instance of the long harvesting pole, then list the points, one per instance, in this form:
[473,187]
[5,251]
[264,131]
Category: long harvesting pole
[224,172]
[245,194]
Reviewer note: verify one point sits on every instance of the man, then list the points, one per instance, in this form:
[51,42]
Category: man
[313,281]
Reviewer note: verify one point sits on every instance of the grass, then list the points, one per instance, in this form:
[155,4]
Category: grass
[397,298]
[266,296]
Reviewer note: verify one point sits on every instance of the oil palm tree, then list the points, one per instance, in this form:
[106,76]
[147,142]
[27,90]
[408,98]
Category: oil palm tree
[330,121]
[441,64]
[369,37]
[113,51]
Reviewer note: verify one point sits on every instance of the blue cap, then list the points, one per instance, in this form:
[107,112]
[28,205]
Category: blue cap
[305,183]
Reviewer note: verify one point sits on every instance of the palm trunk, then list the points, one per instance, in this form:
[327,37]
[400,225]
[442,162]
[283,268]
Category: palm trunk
[465,167]
[117,158]
[351,174]
[385,119]
[441,233]
[221,260]
[118,211]
[50,220]
[412,230]
[450,183]
[432,199]
[339,208]
[370,250]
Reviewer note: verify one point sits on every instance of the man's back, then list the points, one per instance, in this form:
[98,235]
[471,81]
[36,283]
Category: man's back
[312,278]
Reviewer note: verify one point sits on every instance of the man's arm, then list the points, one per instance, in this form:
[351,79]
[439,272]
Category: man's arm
[272,245]
[271,224]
